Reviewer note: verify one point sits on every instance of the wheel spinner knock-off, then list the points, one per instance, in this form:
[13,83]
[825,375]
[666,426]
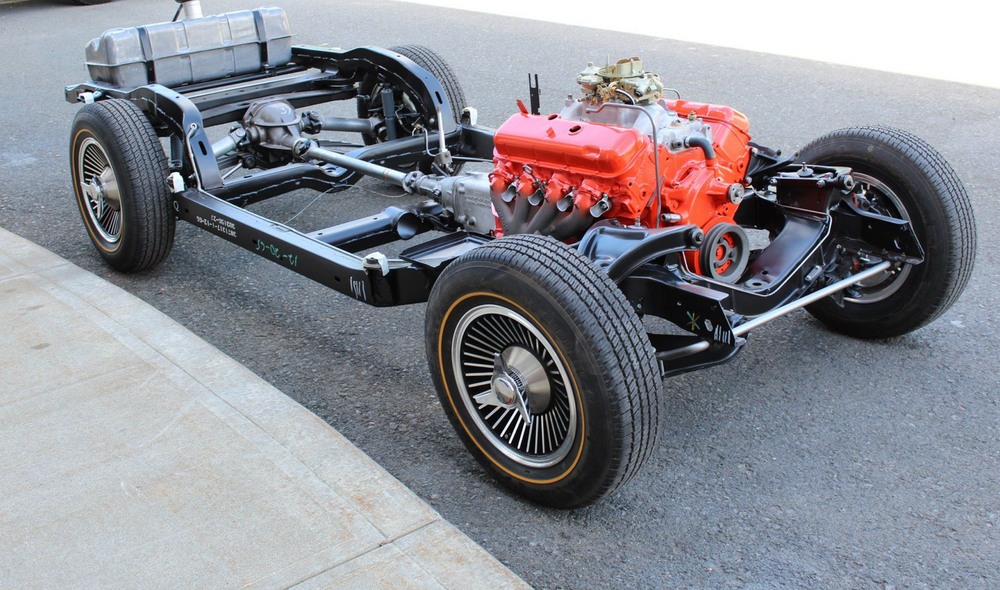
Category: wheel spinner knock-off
[519,381]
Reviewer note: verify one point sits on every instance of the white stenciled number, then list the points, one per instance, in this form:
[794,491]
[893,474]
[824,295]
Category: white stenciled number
[358,288]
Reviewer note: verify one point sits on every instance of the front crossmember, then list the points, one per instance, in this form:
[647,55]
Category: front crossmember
[822,242]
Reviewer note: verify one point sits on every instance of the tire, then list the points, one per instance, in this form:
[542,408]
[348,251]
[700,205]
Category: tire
[533,293]
[439,68]
[912,174]
[90,2]
[115,137]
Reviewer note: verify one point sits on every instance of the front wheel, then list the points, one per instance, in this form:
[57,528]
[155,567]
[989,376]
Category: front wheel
[901,176]
[544,370]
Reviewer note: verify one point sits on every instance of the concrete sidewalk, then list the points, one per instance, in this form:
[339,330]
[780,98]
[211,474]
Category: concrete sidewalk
[135,455]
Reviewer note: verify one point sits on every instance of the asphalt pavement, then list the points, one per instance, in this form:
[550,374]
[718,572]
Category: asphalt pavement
[811,461]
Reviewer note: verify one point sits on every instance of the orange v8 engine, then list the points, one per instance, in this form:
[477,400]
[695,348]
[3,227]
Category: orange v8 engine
[602,156]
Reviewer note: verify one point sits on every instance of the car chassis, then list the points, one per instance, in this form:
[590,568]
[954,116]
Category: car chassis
[807,215]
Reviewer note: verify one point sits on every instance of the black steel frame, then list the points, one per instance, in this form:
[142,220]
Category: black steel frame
[314,76]
[805,211]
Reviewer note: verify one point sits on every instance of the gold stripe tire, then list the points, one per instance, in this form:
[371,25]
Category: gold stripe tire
[117,133]
[579,325]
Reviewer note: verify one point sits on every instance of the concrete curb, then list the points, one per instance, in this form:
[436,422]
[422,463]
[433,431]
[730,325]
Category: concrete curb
[278,498]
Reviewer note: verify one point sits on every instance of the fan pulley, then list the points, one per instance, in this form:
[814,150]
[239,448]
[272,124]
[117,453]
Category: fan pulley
[725,253]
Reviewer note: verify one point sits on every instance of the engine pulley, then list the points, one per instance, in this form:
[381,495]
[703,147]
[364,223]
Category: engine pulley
[725,253]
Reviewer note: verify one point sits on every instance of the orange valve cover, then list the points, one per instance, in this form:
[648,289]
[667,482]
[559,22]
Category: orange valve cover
[577,147]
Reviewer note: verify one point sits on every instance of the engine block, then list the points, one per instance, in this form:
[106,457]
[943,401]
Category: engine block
[597,159]
[608,170]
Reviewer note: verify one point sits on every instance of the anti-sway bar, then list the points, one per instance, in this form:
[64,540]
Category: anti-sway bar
[777,312]
[813,297]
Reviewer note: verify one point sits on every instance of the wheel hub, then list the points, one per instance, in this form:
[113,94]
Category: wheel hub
[102,192]
[519,381]
[94,195]
[876,196]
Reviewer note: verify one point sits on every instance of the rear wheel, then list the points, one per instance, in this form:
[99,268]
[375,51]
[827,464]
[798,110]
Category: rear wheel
[902,176]
[544,370]
[413,117]
[120,178]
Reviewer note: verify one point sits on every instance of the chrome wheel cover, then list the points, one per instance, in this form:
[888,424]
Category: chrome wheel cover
[99,189]
[514,385]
